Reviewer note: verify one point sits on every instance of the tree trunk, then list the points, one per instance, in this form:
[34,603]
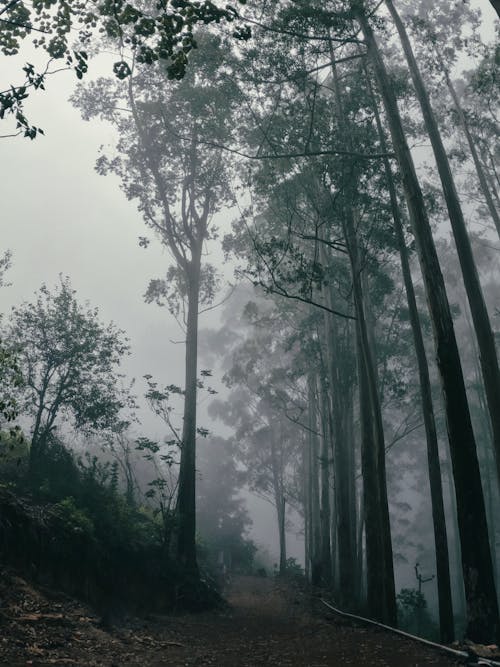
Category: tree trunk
[340,446]
[281,512]
[479,311]
[314,483]
[436,487]
[351,475]
[496,6]
[375,593]
[186,497]
[381,594]
[326,554]
[456,558]
[482,610]
[306,505]
[279,497]
[360,583]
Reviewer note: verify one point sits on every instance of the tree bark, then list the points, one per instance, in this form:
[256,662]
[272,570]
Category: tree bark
[340,444]
[482,609]
[381,593]
[438,513]
[186,499]
[279,497]
[482,326]
[306,505]
[314,484]
[326,554]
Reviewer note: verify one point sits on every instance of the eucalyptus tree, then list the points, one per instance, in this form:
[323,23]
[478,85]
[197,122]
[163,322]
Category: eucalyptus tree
[428,413]
[264,409]
[470,121]
[311,25]
[167,159]
[300,208]
[10,381]
[482,612]
[474,96]
[482,326]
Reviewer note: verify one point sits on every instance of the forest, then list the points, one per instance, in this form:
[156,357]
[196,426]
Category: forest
[250,332]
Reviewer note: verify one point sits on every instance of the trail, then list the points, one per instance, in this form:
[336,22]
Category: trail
[265,624]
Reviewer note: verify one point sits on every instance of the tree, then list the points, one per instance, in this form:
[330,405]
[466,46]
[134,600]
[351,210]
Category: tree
[222,518]
[482,327]
[439,520]
[161,34]
[10,377]
[166,160]
[476,556]
[261,410]
[69,362]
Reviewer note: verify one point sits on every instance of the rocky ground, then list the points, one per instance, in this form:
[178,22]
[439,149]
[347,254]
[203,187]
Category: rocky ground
[264,624]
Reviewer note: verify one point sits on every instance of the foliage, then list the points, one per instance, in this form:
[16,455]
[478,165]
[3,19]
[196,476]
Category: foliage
[293,570]
[163,33]
[413,615]
[69,364]
[10,382]
[5,264]
[77,530]
[175,171]
[74,518]
[10,376]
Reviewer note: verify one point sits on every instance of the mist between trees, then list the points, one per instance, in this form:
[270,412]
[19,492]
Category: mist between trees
[340,159]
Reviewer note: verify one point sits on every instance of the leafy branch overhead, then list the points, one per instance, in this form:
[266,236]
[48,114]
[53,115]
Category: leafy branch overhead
[67,29]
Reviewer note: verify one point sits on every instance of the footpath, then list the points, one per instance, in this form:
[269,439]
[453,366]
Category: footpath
[264,624]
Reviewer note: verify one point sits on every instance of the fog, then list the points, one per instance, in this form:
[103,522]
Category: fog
[60,217]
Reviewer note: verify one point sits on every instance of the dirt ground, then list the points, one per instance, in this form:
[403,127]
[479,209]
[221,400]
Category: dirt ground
[265,624]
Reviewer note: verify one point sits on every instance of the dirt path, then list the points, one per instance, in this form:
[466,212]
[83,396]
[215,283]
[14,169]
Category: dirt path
[264,625]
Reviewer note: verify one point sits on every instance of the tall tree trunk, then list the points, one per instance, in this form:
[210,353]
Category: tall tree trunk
[375,553]
[314,482]
[436,487]
[279,496]
[306,504]
[326,554]
[458,588]
[484,452]
[340,453]
[382,595]
[482,609]
[482,326]
[351,476]
[281,513]
[186,498]
[360,527]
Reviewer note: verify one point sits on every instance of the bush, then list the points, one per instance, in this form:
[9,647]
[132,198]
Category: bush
[293,570]
[74,519]
[69,527]
[413,615]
